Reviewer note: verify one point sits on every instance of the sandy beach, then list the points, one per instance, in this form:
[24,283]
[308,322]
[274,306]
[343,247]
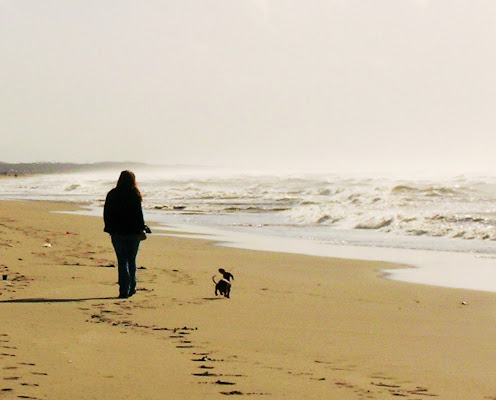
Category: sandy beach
[295,327]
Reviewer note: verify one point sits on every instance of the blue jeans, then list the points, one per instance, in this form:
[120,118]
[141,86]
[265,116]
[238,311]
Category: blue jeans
[126,249]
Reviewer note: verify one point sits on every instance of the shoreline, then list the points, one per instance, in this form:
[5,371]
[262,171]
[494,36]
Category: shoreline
[440,268]
[296,326]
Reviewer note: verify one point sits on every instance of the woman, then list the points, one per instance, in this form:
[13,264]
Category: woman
[123,217]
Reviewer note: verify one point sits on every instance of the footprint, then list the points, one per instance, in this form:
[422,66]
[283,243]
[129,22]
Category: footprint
[202,359]
[205,374]
[386,385]
[219,382]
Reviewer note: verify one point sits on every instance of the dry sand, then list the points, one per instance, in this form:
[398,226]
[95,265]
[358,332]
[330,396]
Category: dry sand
[295,327]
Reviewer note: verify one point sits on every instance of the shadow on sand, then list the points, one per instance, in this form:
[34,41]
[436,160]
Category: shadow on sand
[45,300]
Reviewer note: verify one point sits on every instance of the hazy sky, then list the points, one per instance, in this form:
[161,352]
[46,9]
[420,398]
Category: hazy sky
[331,84]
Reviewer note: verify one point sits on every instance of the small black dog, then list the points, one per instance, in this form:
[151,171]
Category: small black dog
[224,285]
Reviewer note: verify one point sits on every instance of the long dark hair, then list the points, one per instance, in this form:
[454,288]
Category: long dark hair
[127,180]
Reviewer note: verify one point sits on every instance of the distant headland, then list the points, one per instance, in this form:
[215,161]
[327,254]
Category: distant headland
[9,169]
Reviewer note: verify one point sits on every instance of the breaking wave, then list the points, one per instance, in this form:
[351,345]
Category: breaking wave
[460,208]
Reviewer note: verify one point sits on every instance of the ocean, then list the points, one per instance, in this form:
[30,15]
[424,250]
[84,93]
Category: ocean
[414,221]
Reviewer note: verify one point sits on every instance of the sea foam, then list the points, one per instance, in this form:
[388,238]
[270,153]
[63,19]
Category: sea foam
[329,207]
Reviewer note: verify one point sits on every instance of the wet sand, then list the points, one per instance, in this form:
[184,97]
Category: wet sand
[295,326]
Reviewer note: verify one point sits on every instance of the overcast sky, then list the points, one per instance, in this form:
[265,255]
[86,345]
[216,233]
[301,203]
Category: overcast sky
[301,84]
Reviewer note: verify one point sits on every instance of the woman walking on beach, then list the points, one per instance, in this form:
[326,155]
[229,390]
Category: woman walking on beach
[123,217]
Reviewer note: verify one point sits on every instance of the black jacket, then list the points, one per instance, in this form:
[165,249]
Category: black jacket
[122,212]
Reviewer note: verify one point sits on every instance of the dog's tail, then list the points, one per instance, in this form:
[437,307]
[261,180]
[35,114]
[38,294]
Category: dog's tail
[213,278]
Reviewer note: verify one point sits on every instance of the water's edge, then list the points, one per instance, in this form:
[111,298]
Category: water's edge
[430,267]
